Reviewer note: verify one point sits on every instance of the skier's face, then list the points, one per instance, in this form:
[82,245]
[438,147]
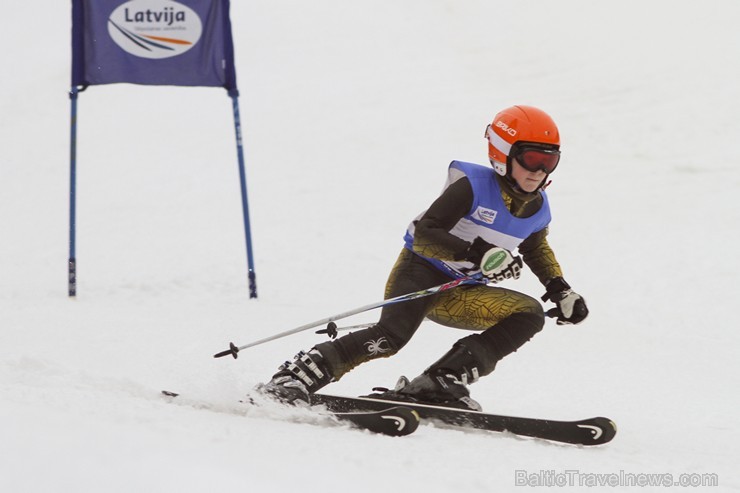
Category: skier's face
[528,181]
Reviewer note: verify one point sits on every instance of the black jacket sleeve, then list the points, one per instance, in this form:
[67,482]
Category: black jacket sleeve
[432,236]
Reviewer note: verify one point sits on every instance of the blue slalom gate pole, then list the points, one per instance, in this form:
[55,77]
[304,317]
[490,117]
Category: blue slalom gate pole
[72,261]
[234,94]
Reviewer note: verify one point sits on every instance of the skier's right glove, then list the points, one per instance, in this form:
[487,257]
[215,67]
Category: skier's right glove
[495,263]
[498,264]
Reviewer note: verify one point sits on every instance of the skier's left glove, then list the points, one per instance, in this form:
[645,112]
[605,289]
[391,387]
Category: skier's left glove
[571,307]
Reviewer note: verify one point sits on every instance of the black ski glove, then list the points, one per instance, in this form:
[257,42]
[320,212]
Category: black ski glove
[476,250]
[571,307]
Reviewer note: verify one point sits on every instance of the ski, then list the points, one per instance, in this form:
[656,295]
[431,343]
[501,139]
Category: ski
[593,431]
[394,419]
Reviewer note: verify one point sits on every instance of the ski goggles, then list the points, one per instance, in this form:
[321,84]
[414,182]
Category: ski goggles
[535,158]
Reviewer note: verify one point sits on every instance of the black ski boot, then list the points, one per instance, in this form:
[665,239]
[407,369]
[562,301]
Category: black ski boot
[296,381]
[442,384]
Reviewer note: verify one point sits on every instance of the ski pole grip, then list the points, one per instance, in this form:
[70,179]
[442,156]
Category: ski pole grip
[233,350]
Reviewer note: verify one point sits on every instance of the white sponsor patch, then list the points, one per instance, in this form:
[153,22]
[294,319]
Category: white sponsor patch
[485,215]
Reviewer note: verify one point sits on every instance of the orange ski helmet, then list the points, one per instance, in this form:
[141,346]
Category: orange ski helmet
[516,126]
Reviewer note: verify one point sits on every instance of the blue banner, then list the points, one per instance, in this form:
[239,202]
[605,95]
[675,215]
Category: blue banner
[153,42]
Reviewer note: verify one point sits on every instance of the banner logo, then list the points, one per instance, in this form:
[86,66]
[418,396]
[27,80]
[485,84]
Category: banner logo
[154,28]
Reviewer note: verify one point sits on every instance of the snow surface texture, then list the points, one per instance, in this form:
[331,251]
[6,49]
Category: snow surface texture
[351,112]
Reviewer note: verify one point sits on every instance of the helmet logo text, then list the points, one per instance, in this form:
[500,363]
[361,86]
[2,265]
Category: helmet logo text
[503,126]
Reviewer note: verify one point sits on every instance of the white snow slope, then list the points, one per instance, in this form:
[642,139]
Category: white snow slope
[352,112]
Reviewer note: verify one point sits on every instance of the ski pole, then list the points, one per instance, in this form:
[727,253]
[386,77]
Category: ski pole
[474,279]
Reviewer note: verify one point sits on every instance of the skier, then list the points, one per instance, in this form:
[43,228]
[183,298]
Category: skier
[480,218]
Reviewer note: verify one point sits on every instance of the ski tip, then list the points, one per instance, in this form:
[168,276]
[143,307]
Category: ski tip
[170,393]
[598,430]
[395,421]
[402,420]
